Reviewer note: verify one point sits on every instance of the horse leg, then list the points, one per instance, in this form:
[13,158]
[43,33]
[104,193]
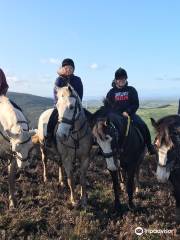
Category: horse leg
[11,180]
[137,185]
[44,161]
[84,167]
[115,180]
[122,178]
[175,180]
[130,188]
[68,169]
[61,176]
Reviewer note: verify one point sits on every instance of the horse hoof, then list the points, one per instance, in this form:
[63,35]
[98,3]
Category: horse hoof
[136,189]
[131,206]
[74,204]
[12,204]
[83,204]
[177,215]
[117,207]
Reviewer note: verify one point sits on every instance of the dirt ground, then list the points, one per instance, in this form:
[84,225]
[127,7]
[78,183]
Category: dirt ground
[44,210]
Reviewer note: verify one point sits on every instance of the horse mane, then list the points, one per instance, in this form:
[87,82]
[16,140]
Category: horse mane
[68,90]
[12,117]
[168,120]
[167,124]
[5,100]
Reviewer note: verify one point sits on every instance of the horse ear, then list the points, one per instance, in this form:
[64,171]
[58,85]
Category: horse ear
[153,122]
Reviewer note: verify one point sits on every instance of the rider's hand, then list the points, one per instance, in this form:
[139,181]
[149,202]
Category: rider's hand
[66,71]
[125,114]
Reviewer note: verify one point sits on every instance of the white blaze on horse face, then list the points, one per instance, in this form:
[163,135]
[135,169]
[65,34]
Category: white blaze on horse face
[66,108]
[161,172]
[106,148]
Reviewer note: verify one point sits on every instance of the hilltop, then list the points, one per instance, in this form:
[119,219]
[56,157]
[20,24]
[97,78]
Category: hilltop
[33,106]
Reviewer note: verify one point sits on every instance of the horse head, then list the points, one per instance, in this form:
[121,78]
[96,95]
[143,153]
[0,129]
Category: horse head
[109,133]
[15,130]
[69,108]
[167,141]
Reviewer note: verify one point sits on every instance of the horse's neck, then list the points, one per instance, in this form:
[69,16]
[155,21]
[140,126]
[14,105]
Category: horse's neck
[8,117]
[81,119]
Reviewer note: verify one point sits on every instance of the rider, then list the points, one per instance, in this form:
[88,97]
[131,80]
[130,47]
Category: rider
[66,74]
[4,88]
[124,100]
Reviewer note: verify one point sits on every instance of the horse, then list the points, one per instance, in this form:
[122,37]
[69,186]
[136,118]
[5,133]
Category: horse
[73,138]
[16,144]
[167,141]
[123,148]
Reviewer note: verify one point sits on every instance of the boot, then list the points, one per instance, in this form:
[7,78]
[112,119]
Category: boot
[48,141]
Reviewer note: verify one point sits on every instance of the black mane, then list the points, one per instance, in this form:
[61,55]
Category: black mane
[169,120]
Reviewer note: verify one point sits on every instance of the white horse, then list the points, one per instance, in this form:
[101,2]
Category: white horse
[73,138]
[16,142]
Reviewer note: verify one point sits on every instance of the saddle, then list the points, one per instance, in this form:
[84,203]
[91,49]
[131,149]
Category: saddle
[118,120]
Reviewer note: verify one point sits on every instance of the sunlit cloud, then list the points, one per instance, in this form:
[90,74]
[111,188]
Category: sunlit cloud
[50,61]
[94,66]
[168,78]
[14,79]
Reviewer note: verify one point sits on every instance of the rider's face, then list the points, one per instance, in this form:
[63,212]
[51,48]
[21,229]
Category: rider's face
[69,70]
[121,82]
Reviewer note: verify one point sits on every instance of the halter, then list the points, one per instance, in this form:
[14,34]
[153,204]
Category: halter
[8,139]
[126,134]
[175,163]
[74,118]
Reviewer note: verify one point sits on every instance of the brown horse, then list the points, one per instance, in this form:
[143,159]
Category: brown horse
[168,145]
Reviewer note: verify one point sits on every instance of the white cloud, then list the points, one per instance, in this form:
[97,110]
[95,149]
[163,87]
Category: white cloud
[13,79]
[168,78]
[50,61]
[94,66]
[46,79]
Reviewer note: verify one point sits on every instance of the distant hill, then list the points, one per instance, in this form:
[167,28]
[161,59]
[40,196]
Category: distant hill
[31,105]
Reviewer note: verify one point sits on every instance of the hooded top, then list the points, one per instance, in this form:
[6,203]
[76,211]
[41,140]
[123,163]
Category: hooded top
[3,83]
[73,80]
[123,99]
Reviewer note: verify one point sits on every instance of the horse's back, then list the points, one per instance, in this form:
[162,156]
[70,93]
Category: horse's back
[42,124]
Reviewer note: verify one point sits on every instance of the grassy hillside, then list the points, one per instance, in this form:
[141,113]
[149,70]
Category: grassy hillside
[31,105]
[157,113]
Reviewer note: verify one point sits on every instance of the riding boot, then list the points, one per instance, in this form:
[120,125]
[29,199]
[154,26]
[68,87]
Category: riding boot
[147,137]
[50,128]
[145,133]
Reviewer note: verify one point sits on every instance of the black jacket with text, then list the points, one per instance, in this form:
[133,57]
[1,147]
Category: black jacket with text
[123,99]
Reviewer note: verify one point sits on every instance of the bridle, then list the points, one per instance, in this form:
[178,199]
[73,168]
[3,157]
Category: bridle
[77,110]
[175,147]
[118,146]
[14,153]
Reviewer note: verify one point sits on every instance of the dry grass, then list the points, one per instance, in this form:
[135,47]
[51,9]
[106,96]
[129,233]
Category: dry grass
[44,211]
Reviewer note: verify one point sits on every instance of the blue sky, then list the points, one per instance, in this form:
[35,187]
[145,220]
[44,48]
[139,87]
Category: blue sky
[101,36]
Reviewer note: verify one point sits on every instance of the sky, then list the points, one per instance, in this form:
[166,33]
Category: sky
[100,36]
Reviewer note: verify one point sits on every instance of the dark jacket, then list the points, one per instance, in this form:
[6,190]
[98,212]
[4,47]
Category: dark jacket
[73,80]
[3,83]
[123,99]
